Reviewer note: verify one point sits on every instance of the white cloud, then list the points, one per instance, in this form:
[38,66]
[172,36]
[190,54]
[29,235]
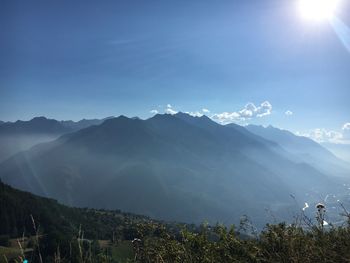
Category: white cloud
[248,112]
[154,111]
[346,126]
[346,132]
[195,114]
[226,117]
[170,111]
[288,113]
[264,109]
[322,135]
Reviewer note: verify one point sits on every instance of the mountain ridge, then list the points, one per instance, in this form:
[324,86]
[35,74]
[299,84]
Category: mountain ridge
[165,167]
[22,135]
[304,149]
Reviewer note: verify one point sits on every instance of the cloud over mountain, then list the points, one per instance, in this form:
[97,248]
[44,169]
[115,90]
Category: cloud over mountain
[169,109]
[322,135]
[250,111]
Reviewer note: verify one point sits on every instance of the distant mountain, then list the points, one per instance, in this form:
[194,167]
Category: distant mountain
[35,125]
[342,151]
[21,135]
[42,125]
[173,167]
[303,149]
[84,123]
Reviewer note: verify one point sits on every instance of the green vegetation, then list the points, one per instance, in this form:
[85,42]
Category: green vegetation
[32,225]
[41,230]
[278,243]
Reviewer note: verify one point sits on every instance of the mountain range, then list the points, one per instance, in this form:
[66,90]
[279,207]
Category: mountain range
[21,135]
[303,149]
[177,167]
[342,151]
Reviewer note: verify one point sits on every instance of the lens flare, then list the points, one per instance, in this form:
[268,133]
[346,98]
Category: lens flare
[318,10]
[342,31]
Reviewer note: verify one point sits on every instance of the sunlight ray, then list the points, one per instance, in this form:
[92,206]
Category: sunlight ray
[342,31]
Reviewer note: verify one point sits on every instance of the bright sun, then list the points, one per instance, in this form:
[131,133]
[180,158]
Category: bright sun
[318,9]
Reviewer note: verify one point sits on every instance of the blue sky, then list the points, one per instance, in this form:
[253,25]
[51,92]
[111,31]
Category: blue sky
[86,59]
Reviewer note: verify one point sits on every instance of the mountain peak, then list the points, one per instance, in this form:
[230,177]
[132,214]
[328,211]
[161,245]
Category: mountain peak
[120,120]
[180,113]
[121,117]
[39,118]
[108,118]
[165,116]
[188,116]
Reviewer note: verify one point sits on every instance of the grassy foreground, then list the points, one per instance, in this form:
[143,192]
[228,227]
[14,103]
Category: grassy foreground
[42,230]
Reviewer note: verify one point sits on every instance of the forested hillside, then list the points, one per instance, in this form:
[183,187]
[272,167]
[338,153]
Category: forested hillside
[42,230]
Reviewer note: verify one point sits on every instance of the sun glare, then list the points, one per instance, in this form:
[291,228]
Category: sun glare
[318,10]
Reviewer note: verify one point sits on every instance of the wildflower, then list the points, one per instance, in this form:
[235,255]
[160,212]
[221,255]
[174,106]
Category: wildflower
[306,206]
[135,240]
[320,206]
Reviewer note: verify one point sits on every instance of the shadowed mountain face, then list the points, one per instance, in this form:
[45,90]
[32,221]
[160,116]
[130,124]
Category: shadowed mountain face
[173,167]
[21,135]
[304,150]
